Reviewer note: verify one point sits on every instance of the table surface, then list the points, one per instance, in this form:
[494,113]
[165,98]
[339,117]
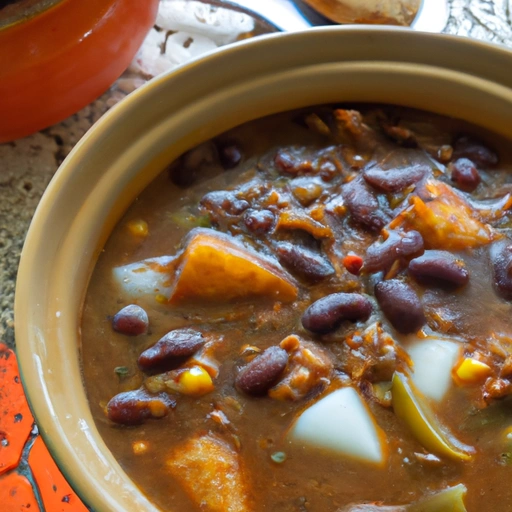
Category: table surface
[26,167]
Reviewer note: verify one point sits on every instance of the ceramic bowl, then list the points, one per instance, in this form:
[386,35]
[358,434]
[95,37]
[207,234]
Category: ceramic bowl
[126,149]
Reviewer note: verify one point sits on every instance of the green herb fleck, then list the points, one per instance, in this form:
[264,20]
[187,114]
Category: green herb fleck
[281,182]
[121,371]
[187,220]
[278,457]
[203,221]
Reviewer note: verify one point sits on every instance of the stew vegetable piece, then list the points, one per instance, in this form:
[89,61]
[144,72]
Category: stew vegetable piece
[312,312]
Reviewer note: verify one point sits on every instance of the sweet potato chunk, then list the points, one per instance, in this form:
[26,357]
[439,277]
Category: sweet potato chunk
[446,221]
[210,473]
[215,267]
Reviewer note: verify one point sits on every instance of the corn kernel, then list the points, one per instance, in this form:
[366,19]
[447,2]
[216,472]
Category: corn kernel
[195,381]
[472,371]
[161,299]
[140,447]
[138,227]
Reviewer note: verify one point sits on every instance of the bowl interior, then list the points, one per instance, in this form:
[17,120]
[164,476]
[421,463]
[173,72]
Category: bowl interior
[131,145]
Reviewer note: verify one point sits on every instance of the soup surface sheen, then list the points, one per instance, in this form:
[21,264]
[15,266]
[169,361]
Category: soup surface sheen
[312,313]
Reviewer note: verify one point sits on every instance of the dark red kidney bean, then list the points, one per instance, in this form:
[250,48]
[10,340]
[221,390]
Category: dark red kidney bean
[411,244]
[327,171]
[363,206]
[327,314]
[259,221]
[444,154]
[289,163]
[395,180]
[401,306]
[494,388]
[303,262]
[439,268]
[465,174]
[469,147]
[398,245]
[223,202]
[176,344]
[134,407]
[260,374]
[285,162]
[132,320]
[182,176]
[184,171]
[501,257]
[238,206]
[230,155]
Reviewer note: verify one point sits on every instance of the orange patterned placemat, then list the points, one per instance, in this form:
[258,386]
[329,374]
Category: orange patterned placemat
[29,478]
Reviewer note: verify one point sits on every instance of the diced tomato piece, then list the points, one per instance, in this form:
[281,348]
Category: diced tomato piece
[353,263]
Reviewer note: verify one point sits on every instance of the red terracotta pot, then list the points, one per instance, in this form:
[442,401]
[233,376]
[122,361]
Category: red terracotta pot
[62,56]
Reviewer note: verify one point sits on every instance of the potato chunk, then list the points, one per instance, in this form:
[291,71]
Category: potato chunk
[210,473]
[215,267]
[341,423]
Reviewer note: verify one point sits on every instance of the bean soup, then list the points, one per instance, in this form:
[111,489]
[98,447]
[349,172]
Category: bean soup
[312,312]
